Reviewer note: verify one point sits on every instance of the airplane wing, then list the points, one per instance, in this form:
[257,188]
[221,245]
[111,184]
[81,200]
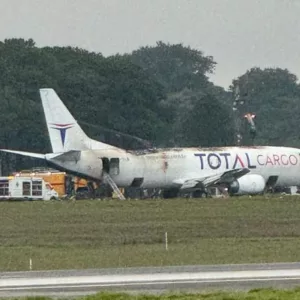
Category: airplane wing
[225,177]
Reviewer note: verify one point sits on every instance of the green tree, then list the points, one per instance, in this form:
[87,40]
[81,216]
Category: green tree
[274,96]
[183,73]
[175,66]
[199,119]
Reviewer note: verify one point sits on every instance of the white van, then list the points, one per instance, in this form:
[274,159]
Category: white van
[30,188]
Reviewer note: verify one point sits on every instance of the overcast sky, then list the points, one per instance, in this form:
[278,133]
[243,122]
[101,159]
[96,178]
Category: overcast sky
[239,34]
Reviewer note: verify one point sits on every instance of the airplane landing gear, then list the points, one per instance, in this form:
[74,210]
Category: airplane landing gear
[171,193]
[199,194]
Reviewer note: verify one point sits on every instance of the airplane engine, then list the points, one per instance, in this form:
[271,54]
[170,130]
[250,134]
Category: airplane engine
[248,184]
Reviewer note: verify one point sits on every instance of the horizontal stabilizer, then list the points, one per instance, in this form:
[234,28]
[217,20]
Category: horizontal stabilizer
[73,155]
[24,153]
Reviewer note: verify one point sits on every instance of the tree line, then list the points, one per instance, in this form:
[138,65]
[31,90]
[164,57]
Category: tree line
[160,94]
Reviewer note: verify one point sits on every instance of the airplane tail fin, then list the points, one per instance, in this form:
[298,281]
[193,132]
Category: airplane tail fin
[64,132]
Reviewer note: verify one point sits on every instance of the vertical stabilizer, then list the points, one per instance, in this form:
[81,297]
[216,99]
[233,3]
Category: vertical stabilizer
[64,132]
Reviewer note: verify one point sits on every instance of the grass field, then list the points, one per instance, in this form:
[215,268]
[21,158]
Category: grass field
[259,294]
[113,233]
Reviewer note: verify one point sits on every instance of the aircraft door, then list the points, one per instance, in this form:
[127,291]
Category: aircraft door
[114,166]
[105,165]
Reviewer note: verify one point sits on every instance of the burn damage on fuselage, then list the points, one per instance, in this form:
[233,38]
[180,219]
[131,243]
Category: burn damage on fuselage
[191,149]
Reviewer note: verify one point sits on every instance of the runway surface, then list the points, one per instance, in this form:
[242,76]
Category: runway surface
[154,280]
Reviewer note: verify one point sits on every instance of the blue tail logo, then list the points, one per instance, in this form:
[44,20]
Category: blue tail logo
[62,129]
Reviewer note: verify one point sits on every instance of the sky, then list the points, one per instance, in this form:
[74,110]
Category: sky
[239,34]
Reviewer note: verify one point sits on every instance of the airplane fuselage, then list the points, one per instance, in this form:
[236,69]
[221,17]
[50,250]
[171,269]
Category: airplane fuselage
[161,168]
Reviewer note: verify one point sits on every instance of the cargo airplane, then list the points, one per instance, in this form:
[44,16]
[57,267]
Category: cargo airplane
[243,170]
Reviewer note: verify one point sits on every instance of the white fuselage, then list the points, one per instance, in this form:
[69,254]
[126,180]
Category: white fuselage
[161,168]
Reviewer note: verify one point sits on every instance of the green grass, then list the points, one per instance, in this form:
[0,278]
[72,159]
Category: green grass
[113,233]
[258,294]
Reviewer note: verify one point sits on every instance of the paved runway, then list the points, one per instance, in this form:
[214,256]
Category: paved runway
[154,280]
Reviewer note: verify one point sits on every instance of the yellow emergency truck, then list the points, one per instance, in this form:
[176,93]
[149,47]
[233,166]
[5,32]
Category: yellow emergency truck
[62,182]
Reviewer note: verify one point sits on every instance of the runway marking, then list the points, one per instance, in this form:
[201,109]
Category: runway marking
[141,278]
[147,283]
